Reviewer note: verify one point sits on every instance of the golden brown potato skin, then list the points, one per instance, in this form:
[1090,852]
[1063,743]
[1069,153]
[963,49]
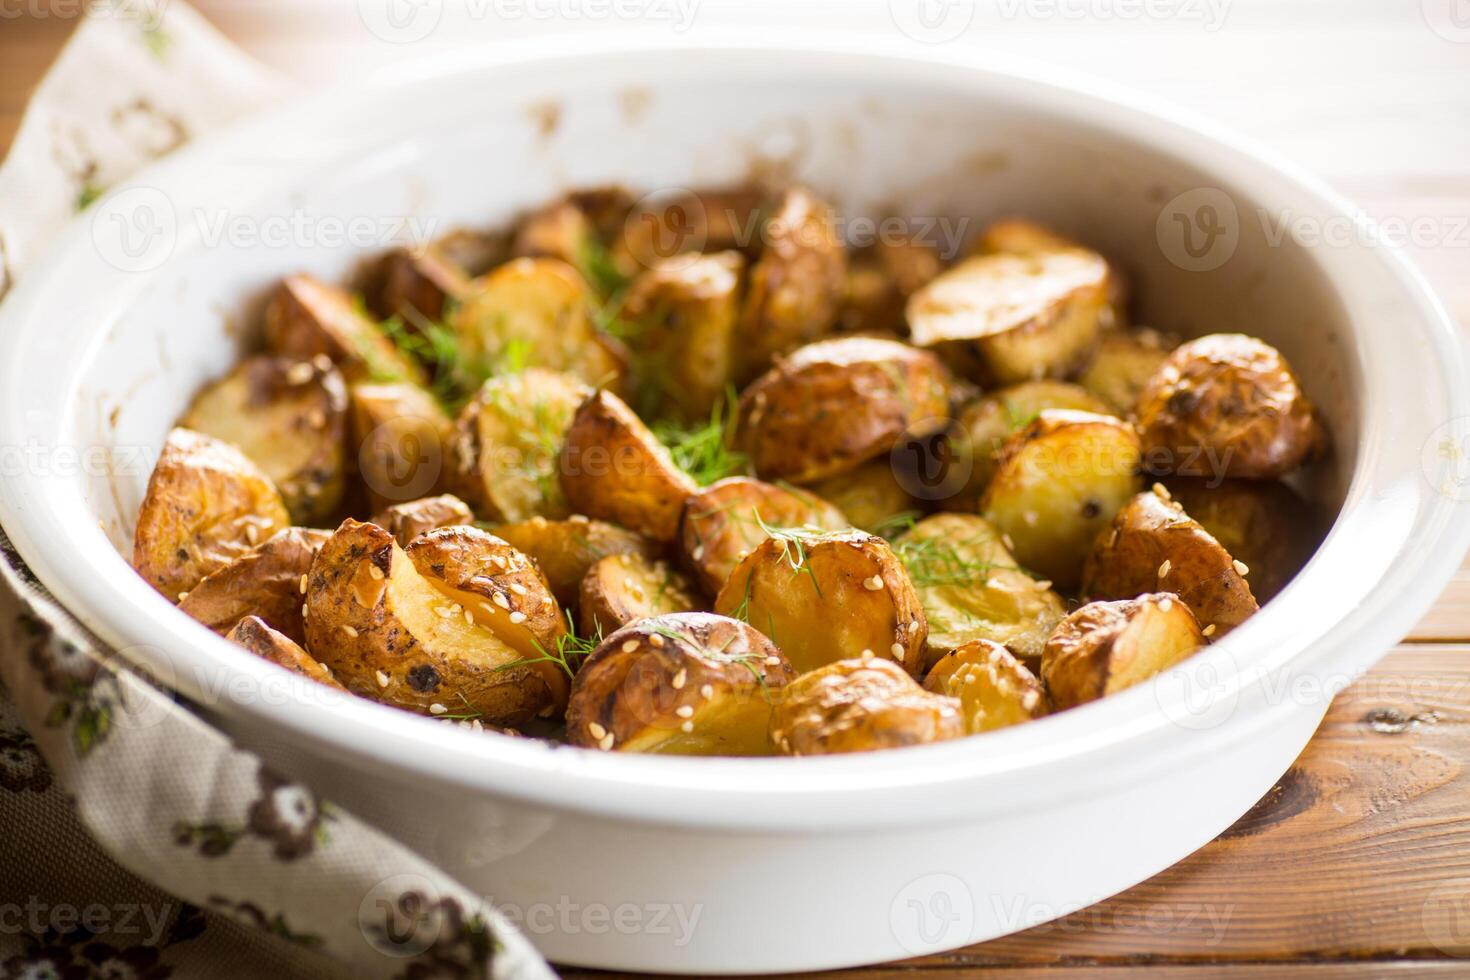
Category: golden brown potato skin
[615,469]
[566,550]
[994,688]
[827,596]
[861,705]
[833,405]
[306,317]
[1105,647]
[206,505]
[290,418]
[621,589]
[265,582]
[880,280]
[1152,545]
[722,523]
[871,497]
[1261,522]
[407,521]
[400,435]
[1227,405]
[990,421]
[663,227]
[692,683]
[419,284]
[1122,365]
[256,635]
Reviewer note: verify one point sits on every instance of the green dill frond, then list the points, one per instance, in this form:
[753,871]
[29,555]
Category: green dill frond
[937,562]
[703,451]
[596,265]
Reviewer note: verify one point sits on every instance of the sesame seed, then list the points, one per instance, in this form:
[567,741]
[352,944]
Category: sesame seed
[897,651]
[606,742]
[498,561]
[545,601]
[687,727]
[577,519]
[1164,568]
[322,362]
[873,584]
[517,617]
[299,374]
[1029,700]
[1043,585]
[374,572]
[350,631]
[656,640]
[1161,491]
[684,711]
[183,596]
[679,679]
[382,679]
[500,600]
[476,725]
[970,677]
[437,709]
[303,583]
[1165,604]
[518,588]
[629,646]
[469,620]
[1209,630]
[773,661]
[698,553]
[443,612]
[628,584]
[865,654]
[596,730]
[303,610]
[707,691]
[252,533]
[1242,567]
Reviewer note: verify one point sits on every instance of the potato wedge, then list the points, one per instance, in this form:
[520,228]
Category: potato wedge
[264,582]
[407,521]
[798,284]
[1105,647]
[861,705]
[290,418]
[724,522]
[1021,236]
[991,421]
[684,314]
[536,313]
[872,496]
[825,596]
[613,468]
[1057,483]
[419,284]
[971,588]
[565,551]
[621,589]
[387,633]
[1227,405]
[1027,316]
[833,405]
[256,635]
[1152,545]
[1261,522]
[506,444]
[1123,363]
[687,684]
[400,434]
[306,317]
[995,689]
[206,505]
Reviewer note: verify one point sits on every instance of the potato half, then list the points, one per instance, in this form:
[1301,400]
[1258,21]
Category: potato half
[1022,236]
[1261,522]
[1105,647]
[615,469]
[872,496]
[400,434]
[724,522]
[506,444]
[971,588]
[880,280]
[306,317]
[264,582]
[408,520]
[995,689]
[566,550]
[256,635]
[861,705]
[388,633]
[688,684]
[992,420]
[1057,483]
[290,417]
[1152,545]
[1227,405]
[621,589]
[1122,365]
[825,596]
[206,505]
[833,405]
[1027,316]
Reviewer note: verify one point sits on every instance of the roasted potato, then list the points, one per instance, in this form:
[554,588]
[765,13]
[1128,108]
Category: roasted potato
[1027,316]
[1020,236]
[828,595]
[565,551]
[687,684]
[306,317]
[859,705]
[872,496]
[1152,545]
[971,588]
[620,589]
[400,434]
[506,444]
[408,520]
[536,313]
[833,405]
[256,635]
[206,505]
[1105,647]
[684,314]
[798,284]
[1124,362]
[613,468]
[663,226]
[290,418]
[388,633]
[475,251]
[1261,522]
[418,285]
[992,420]
[560,230]
[995,689]
[724,522]
[1057,482]
[1227,405]
[264,582]
[880,280]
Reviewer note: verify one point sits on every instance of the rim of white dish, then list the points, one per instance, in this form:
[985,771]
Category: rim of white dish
[1097,745]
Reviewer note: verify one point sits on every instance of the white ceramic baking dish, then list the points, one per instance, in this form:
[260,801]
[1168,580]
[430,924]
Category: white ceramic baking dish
[753,865]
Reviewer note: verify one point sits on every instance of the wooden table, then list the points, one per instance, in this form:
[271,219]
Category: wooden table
[1358,862]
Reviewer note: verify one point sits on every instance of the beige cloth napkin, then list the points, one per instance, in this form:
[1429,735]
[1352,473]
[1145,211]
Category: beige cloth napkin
[138,841]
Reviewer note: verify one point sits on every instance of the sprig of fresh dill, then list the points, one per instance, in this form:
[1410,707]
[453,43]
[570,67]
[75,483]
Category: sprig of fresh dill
[598,267]
[703,450]
[939,561]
